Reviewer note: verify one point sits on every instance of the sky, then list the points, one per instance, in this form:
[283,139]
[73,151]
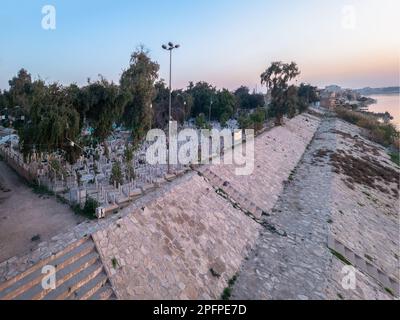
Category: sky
[229,43]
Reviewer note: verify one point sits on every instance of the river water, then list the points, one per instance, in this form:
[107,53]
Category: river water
[387,103]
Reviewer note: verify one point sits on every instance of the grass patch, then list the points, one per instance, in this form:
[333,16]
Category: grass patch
[41,190]
[227,293]
[385,134]
[114,263]
[340,257]
[389,291]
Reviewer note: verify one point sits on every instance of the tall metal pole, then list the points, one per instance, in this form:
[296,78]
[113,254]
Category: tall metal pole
[170,47]
[169,105]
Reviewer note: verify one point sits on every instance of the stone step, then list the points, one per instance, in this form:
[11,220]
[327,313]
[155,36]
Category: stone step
[12,281]
[68,288]
[38,293]
[35,276]
[350,256]
[90,288]
[105,293]
[361,263]
[80,275]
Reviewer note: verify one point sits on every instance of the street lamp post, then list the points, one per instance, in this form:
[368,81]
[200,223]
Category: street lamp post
[170,46]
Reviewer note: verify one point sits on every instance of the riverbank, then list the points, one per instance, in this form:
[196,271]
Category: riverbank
[320,196]
[336,210]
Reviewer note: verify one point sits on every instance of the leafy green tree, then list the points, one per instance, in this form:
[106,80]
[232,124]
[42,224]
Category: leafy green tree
[3,100]
[128,157]
[138,80]
[52,124]
[20,91]
[277,78]
[307,94]
[224,107]
[201,121]
[291,101]
[116,174]
[258,118]
[182,103]
[77,98]
[106,103]
[203,94]
[245,122]
[247,101]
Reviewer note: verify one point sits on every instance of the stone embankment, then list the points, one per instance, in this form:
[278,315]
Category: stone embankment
[187,239]
[339,209]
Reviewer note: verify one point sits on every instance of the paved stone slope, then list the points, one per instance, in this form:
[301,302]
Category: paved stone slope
[292,263]
[365,212]
[277,152]
[322,201]
[185,245]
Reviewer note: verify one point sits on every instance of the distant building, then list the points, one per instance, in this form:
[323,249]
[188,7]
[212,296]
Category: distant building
[328,99]
[333,88]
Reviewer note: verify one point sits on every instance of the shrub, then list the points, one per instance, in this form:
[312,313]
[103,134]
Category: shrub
[201,121]
[382,133]
[89,210]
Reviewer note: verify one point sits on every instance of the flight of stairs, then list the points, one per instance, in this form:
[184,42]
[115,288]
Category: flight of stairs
[79,276]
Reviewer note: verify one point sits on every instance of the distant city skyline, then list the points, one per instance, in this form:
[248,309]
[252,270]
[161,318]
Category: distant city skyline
[228,43]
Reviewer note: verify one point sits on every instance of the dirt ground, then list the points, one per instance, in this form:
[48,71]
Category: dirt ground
[25,215]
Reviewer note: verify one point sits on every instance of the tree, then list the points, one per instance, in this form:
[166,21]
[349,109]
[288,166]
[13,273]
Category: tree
[77,99]
[224,107]
[106,103]
[138,80]
[52,123]
[247,101]
[20,90]
[128,157]
[116,174]
[277,78]
[203,95]
[201,122]
[258,118]
[254,120]
[307,94]
[291,101]
[181,105]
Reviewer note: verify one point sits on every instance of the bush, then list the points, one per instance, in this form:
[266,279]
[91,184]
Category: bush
[89,210]
[253,121]
[385,134]
[201,122]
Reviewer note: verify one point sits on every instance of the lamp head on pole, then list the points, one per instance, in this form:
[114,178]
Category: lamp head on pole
[170,46]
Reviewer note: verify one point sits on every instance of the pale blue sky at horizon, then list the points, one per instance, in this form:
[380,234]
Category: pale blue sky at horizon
[225,42]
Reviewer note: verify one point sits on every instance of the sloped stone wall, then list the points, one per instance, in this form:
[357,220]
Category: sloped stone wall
[277,153]
[185,245]
[190,241]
